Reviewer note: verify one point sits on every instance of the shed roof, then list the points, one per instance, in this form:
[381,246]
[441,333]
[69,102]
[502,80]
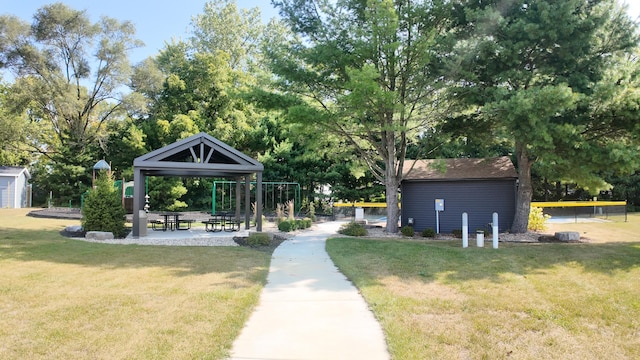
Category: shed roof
[459,169]
[14,171]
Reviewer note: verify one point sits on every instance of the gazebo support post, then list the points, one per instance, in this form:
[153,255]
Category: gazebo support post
[247,202]
[138,199]
[238,198]
[259,201]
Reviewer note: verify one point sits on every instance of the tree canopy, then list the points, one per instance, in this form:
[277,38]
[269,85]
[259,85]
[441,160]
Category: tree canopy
[366,71]
[542,75]
[68,74]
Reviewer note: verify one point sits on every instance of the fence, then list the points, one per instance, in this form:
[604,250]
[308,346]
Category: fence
[373,212]
[584,210]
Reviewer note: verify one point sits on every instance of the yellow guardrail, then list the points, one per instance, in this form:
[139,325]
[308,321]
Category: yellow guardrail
[541,204]
[362,204]
[548,204]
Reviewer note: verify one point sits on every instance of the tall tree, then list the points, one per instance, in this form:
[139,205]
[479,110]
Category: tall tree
[536,73]
[224,27]
[15,129]
[364,70]
[70,73]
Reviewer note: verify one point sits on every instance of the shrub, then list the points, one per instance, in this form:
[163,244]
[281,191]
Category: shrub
[103,209]
[457,233]
[258,239]
[537,219]
[428,233]
[407,231]
[352,229]
[285,226]
[299,224]
[307,223]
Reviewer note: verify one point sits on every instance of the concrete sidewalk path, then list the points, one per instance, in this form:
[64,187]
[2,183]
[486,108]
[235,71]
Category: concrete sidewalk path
[309,310]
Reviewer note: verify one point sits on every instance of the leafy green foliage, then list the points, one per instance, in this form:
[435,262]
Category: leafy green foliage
[258,239]
[103,209]
[352,229]
[287,225]
[351,67]
[69,74]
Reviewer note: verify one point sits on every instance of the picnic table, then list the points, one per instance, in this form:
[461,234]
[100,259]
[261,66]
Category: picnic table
[222,222]
[172,221]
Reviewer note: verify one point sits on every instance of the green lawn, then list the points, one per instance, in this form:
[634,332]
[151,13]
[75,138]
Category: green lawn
[68,299]
[436,300]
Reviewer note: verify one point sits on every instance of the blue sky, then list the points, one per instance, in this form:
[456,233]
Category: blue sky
[157,21]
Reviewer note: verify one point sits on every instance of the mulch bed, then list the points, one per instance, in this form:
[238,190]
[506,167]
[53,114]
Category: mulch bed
[275,242]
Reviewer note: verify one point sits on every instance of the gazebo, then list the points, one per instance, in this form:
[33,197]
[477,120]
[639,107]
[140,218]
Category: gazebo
[200,155]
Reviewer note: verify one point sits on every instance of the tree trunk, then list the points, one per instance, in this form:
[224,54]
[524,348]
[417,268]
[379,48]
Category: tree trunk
[391,192]
[391,181]
[525,191]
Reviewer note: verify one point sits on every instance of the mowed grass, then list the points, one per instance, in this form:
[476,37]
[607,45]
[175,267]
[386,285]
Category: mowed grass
[69,299]
[436,300]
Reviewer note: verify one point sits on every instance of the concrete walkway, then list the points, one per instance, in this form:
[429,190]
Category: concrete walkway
[309,310]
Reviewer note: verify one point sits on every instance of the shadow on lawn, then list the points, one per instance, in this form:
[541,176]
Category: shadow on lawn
[50,246]
[426,261]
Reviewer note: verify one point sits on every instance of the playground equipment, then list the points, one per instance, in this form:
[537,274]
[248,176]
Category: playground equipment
[273,192]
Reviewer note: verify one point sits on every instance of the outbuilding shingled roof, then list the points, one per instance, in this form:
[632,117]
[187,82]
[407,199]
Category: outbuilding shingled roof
[459,169]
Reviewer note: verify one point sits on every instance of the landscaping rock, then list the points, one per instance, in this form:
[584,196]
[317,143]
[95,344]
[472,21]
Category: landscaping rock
[99,235]
[73,231]
[567,236]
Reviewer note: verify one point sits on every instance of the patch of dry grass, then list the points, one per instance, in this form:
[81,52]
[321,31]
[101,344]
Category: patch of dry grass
[67,299]
[436,300]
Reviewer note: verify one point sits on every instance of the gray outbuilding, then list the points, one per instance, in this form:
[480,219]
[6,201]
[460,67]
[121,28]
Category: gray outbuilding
[14,188]
[478,187]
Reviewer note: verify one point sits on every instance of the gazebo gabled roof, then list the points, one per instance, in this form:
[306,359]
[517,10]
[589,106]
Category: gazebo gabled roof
[200,155]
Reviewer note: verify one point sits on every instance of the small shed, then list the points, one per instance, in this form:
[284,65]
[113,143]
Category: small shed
[14,187]
[478,187]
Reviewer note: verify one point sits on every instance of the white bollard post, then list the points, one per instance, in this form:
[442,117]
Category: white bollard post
[465,230]
[480,238]
[495,230]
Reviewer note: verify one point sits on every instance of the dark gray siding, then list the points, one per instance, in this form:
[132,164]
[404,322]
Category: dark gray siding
[478,198]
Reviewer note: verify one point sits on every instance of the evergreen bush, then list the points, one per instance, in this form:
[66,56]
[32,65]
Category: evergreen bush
[408,231]
[103,209]
[353,229]
[428,233]
[286,226]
